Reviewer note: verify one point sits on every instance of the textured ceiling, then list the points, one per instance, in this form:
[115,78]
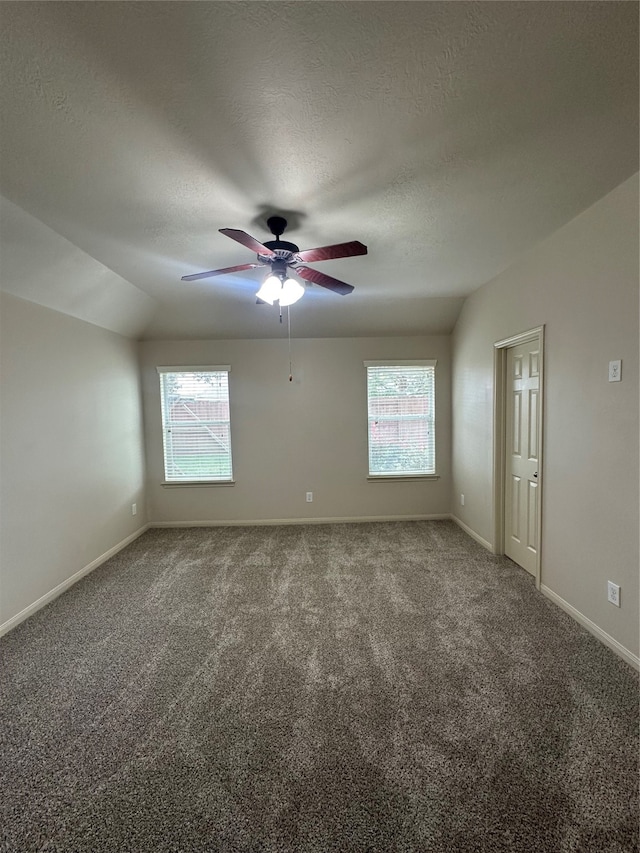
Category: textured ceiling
[450,137]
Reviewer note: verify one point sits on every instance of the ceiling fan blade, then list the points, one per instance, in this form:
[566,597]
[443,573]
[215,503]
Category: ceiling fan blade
[327,253]
[323,280]
[247,240]
[197,276]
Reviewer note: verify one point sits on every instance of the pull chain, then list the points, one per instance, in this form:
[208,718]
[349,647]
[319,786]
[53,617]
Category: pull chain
[289,333]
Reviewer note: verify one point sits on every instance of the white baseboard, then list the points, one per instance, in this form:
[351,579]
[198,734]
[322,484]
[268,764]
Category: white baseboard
[605,638]
[69,582]
[472,533]
[583,620]
[258,522]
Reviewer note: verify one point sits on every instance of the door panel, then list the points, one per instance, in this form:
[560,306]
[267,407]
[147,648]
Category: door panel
[533,425]
[517,366]
[517,423]
[515,508]
[532,519]
[522,458]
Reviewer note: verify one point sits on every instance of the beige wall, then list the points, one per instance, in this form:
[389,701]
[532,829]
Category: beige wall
[292,437]
[71,460]
[582,284]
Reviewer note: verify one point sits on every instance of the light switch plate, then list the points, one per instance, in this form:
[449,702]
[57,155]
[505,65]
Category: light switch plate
[615,371]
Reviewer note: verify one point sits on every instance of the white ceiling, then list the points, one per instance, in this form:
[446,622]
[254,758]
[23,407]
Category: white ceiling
[450,137]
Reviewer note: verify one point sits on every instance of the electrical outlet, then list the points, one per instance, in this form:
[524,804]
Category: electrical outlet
[615,371]
[134,509]
[309,497]
[461,500]
[613,593]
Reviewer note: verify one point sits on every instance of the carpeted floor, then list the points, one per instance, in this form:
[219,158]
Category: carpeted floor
[359,687]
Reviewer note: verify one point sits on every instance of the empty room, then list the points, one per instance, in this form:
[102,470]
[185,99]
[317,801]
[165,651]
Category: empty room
[319,427]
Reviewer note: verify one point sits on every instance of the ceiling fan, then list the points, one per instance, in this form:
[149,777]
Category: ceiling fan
[280,256]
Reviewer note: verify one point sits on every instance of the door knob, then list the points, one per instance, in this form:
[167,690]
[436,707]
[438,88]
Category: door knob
[536,475]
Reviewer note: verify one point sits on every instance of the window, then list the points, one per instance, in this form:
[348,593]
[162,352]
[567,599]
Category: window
[401,408]
[196,429]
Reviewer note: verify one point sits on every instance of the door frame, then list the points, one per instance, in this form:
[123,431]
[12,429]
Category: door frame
[500,392]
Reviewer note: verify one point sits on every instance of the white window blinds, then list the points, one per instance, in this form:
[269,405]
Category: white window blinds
[196,428]
[401,408]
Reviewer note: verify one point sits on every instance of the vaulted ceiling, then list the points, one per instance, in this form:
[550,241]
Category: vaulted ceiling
[449,137]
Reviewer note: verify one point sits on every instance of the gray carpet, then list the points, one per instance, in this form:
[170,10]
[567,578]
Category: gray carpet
[365,687]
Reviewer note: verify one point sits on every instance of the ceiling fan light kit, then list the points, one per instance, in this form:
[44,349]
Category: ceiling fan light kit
[275,289]
[270,290]
[291,291]
[281,256]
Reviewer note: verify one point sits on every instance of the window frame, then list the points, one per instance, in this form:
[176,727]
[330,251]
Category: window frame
[166,426]
[432,473]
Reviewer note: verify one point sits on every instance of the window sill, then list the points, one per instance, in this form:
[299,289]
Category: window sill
[381,478]
[198,484]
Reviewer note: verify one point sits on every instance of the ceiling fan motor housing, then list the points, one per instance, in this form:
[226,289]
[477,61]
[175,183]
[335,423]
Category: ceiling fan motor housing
[282,249]
[279,267]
